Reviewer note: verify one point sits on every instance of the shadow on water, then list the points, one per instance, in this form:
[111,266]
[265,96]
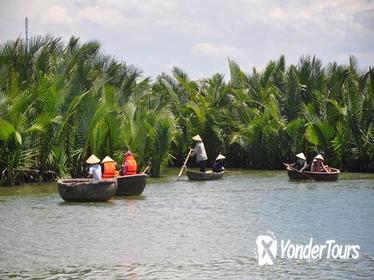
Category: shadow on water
[130,197]
[89,204]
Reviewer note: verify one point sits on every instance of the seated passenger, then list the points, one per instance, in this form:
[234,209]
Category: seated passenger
[109,168]
[218,164]
[94,168]
[129,166]
[318,166]
[301,163]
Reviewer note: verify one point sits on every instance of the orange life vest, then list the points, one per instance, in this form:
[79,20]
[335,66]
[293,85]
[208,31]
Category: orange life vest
[109,170]
[131,166]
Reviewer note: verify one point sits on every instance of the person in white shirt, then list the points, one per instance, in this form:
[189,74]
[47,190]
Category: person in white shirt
[200,153]
[94,168]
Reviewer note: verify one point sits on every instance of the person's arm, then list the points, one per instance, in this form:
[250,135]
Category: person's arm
[89,173]
[222,167]
[194,151]
[305,166]
[324,167]
[203,151]
[125,168]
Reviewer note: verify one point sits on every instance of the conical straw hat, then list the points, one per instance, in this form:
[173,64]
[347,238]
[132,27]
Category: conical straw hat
[197,138]
[319,156]
[107,159]
[220,156]
[93,159]
[301,155]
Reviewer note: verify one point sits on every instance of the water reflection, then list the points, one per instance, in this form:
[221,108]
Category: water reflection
[135,197]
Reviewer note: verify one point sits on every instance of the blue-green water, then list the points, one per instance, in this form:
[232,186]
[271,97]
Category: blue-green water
[183,229]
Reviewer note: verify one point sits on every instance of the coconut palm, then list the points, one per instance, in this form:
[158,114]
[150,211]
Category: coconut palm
[60,102]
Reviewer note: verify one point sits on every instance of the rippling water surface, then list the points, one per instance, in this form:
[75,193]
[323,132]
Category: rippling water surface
[184,229]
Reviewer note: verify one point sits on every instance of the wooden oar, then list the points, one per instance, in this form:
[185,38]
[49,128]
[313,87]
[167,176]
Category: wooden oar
[145,170]
[184,164]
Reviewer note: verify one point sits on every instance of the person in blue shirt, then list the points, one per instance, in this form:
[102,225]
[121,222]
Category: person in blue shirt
[218,164]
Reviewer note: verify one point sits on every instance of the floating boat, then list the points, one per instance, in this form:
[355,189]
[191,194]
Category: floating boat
[131,184]
[197,175]
[294,174]
[333,175]
[86,190]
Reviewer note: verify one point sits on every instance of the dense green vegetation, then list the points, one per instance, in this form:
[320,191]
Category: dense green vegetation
[61,102]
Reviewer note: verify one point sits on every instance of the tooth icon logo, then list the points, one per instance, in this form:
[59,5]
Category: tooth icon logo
[266,249]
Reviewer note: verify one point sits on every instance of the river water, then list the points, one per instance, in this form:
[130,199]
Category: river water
[188,230]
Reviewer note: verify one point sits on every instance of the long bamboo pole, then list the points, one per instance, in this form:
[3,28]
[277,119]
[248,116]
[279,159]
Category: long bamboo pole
[184,164]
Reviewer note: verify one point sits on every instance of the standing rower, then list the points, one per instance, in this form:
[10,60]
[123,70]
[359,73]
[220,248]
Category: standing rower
[200,153]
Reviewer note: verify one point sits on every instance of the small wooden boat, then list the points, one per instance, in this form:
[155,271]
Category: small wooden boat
[86,190]
[294,174]
[131,184]
[197,175]
[333,175]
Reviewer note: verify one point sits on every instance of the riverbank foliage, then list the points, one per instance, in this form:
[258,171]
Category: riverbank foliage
[60,102]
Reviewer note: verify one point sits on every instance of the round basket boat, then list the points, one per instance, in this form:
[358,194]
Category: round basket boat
[333,175]
[202,176]
[294,174]
[86,190]
[131,184]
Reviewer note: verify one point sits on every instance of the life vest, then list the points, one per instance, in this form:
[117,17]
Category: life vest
[109,170]
[131,166]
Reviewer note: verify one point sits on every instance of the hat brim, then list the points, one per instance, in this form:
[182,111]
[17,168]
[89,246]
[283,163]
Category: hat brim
[220,157]
[107,159]
[301,156]
[93,160]
[197,138]
[319,157]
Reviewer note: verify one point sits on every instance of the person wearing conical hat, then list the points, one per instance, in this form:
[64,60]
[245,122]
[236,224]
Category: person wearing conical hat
[109,168]
[301,163]
[218,164]
[94,168]
[200,153]
[317,164]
